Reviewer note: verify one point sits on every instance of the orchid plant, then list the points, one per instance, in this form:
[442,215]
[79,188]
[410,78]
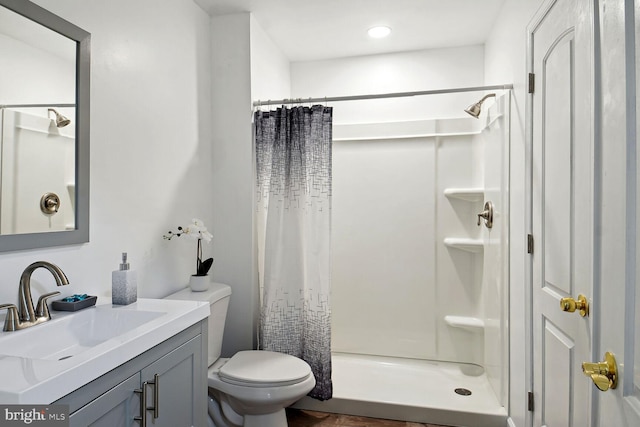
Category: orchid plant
[197,231]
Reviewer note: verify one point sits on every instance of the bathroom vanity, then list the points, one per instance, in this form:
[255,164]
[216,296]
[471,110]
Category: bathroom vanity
[170,377]
[141,364]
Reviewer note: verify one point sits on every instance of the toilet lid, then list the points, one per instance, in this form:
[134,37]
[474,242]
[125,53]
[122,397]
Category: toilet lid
[262,367]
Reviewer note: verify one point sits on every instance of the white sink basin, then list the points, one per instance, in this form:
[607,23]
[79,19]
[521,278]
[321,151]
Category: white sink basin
[48,361]
[71,335]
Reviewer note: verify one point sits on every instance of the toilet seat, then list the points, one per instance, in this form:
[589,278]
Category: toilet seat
[260,368]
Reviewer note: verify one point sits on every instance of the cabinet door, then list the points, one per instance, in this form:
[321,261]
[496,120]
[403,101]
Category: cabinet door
[180,389]
[115,408]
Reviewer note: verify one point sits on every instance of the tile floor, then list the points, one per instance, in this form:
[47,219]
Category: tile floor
[303,418]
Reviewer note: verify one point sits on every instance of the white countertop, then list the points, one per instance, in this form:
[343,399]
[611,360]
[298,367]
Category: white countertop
[36,380]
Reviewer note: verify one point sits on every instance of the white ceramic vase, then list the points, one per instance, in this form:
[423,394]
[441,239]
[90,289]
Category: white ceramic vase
[199,283]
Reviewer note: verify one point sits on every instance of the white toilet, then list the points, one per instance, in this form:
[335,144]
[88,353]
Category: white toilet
[253,387]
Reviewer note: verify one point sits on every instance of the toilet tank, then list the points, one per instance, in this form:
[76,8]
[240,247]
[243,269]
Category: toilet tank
[218,296]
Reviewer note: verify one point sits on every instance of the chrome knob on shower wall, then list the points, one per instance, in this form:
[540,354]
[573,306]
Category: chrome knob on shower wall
[487,215]
[49,203]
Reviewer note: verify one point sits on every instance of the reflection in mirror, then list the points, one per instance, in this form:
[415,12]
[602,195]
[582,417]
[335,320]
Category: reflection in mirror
[38,157]
[44,128]
[41,63]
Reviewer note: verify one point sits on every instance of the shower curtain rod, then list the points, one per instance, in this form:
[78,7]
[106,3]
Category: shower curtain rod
[36,105]
[381,95]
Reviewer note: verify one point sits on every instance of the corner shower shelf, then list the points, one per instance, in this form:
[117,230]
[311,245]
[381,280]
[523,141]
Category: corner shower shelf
[465,244]
[472,324]
[468,194]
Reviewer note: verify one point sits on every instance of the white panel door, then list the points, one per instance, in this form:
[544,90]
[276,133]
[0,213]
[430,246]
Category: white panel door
[562,211]
[618,311]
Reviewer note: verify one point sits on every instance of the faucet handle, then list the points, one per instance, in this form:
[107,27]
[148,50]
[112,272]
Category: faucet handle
[41,309]
[11,321]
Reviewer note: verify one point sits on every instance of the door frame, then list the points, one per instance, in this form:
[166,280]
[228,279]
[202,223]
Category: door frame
[542,11]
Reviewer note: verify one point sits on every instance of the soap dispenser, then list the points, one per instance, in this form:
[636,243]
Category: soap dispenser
[124,286]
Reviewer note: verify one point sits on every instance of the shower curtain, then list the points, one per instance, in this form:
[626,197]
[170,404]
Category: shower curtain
[293,163]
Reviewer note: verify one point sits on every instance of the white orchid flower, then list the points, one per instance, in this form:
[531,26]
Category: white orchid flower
[206,236]
[191,232]
[196,231]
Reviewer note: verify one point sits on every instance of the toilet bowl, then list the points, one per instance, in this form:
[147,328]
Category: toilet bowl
[258,385]
[252,388]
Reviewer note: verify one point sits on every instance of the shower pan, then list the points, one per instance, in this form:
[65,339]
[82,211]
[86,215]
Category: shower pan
[419,289]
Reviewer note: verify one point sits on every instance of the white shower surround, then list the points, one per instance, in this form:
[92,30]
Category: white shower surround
[408,71]
[37,158]
[400,190]
[394,279]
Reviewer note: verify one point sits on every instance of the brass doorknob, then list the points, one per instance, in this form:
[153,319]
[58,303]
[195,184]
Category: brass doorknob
[571,305]
[603,374]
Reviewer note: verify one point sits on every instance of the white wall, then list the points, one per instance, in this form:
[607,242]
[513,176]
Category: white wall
[150,147]
[232,187]
[398,72]
[505,62]
[270,69]
[246,66]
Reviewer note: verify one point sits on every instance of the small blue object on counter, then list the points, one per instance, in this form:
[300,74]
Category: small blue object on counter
[75,298]
[74,303]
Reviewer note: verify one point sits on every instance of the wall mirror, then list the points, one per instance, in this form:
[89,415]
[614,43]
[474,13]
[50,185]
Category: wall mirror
[44,128]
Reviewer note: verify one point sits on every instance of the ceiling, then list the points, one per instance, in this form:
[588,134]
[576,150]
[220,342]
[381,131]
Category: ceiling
[312,30]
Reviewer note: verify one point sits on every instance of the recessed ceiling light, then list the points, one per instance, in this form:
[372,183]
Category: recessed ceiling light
[379,32]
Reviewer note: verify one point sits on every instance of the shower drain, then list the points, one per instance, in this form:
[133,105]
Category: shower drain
[463,391]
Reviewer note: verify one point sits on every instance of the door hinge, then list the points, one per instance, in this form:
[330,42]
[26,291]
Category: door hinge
[529,243]
[532,83]
[530,401]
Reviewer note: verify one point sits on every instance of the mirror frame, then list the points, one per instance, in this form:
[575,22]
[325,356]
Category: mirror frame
[15,242]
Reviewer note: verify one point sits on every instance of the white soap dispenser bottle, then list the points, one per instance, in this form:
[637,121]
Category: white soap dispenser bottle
[124,284]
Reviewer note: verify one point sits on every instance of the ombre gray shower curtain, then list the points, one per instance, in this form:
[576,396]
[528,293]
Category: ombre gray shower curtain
[293,163]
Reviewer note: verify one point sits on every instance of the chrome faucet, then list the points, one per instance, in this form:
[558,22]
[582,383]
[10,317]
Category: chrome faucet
[25,316]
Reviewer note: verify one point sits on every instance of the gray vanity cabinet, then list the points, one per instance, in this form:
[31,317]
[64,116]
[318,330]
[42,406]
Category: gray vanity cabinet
[174,376]
[175,386]
[113,408]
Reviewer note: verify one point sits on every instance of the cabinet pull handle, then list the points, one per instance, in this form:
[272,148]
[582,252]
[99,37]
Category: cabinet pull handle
[143,405]
[156,395]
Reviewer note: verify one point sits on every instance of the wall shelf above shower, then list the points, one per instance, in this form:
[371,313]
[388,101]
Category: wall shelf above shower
[465,244]
[468,194]
[472,324]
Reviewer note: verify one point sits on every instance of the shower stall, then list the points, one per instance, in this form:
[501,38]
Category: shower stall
[420,258]
[37,168]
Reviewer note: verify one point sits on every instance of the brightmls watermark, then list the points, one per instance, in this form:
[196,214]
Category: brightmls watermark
[34,415]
